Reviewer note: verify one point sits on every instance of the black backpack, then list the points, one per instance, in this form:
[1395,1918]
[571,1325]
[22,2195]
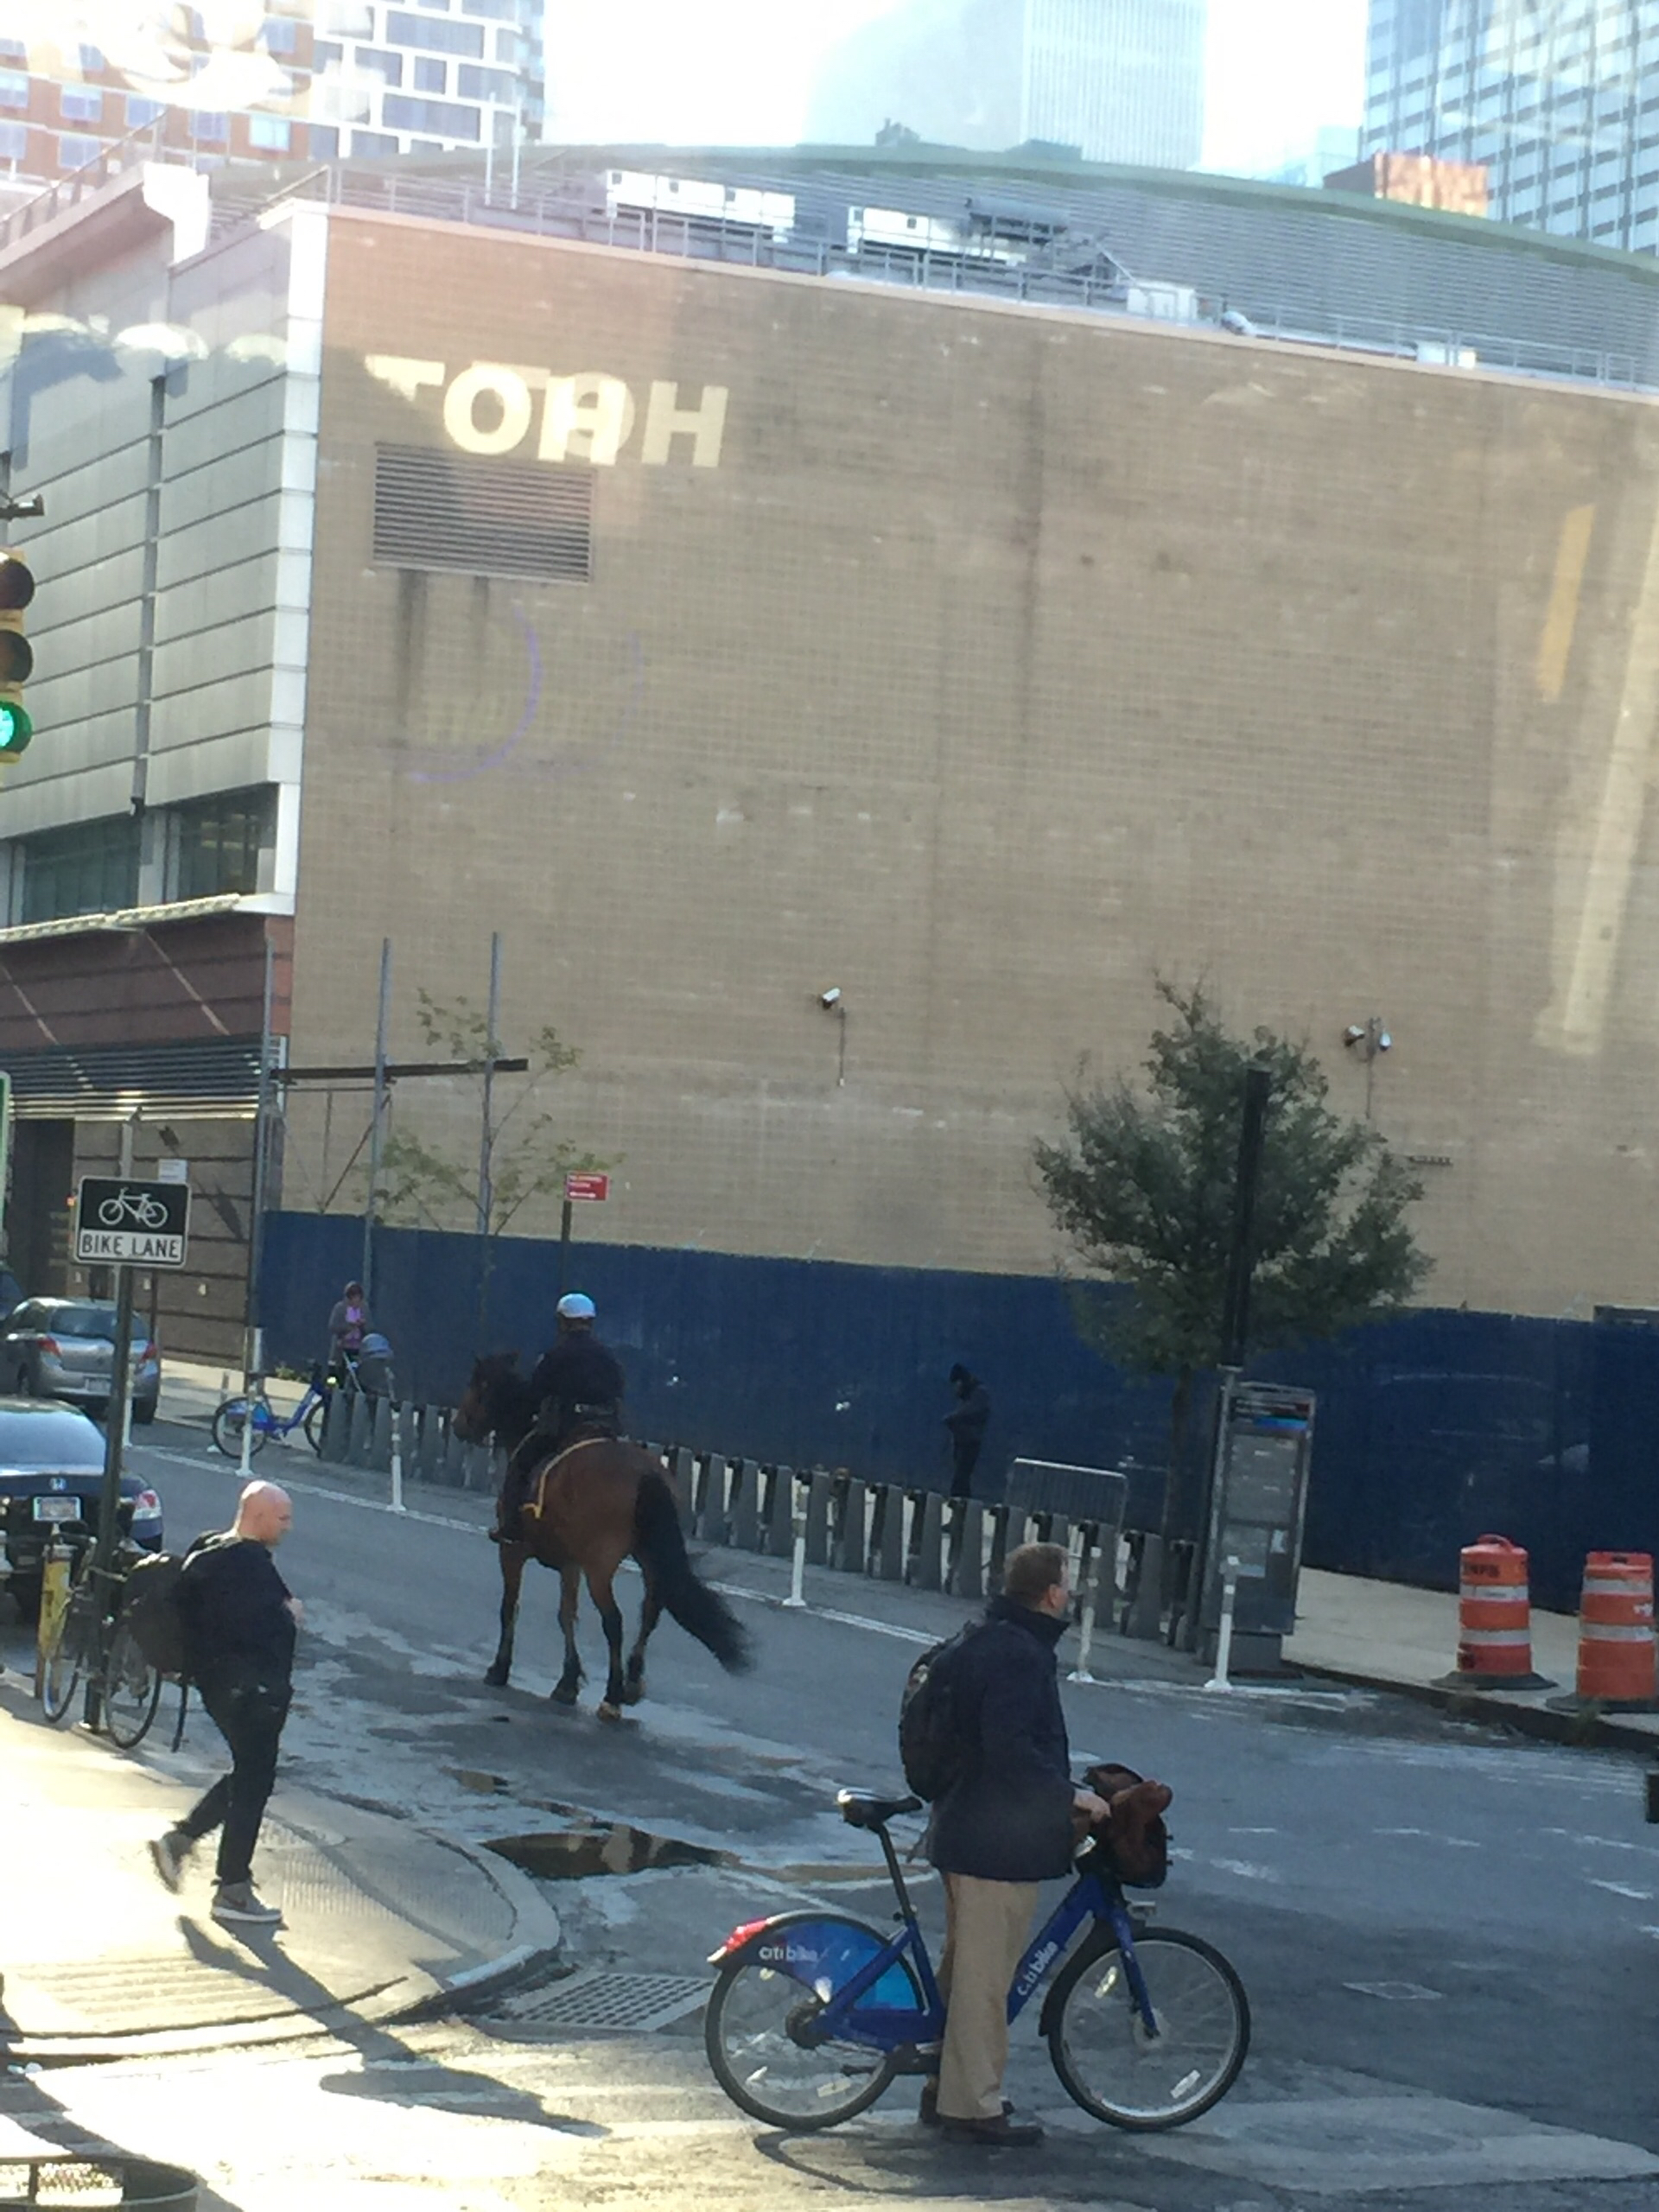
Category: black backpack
[149,1610]
[935,1740]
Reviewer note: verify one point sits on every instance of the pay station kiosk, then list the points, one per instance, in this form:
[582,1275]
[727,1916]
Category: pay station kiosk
[1263,1448]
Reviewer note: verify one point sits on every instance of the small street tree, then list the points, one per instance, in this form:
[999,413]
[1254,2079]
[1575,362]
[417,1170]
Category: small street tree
[521,1156]
[1143,1187]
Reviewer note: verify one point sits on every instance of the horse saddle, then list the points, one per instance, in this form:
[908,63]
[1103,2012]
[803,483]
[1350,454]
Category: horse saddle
[537,1506]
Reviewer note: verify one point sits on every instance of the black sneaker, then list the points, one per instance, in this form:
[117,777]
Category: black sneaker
[1005,2131]
[167,1854]
[236,1905]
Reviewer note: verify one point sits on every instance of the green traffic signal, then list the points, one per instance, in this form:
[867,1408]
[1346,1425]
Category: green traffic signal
[15,731]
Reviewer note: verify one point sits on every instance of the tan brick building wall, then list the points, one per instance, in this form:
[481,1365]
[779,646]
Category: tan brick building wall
[997,662]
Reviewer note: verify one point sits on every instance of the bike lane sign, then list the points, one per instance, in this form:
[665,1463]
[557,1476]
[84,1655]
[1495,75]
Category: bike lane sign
[123,1223]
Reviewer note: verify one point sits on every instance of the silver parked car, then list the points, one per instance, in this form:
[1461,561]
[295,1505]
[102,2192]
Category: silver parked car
[65,1348]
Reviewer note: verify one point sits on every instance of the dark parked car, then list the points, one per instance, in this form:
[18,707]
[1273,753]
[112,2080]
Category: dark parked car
[51,1470]
[65,1348]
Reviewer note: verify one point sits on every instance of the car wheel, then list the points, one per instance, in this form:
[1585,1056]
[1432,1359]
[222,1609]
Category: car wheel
[144,1411]
[26,1596]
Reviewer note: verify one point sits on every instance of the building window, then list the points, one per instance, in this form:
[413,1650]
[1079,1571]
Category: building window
[507,44]
[217,843]
[325,141]
[325,54]
[93,62]
[80,104]
[465,39]
[431,75]
[209,127]
[446,117]
[389,67]
[282,35]
[269,133]
[140,113]
[13,49]
[78,153]
[14,142]
[374,143]
[13,89]
[90,868]
[474,84]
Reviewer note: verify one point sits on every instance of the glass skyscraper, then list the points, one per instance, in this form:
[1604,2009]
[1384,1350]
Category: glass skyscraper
[1559,99]
[1121,80]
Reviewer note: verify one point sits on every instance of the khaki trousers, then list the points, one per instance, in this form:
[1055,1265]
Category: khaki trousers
[987,1926]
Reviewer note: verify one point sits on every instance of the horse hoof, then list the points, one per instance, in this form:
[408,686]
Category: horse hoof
[609,1712]
[562,1693]
[497,1678]
[633,1693]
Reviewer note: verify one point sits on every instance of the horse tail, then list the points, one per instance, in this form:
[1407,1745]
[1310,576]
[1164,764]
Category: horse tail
[659,1546]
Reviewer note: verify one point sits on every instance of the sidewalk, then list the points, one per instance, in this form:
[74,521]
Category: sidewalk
[1383,1635]
[98,1958]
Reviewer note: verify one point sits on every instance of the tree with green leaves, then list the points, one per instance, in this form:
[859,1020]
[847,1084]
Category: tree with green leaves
[522,1156]
[1143,1186]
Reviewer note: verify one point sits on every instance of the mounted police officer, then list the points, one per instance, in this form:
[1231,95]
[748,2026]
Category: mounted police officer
[579,1383]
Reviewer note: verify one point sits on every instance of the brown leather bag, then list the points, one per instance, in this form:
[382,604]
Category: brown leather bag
[1132,1835]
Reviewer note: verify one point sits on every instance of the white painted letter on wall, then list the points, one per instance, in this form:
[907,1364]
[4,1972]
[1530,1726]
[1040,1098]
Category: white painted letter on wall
[665,420]
[588,416]
[511,395]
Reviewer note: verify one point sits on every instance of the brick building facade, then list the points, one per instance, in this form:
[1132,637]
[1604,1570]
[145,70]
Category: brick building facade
[725,637]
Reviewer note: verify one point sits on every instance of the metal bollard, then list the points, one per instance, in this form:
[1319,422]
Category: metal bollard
[1086,1623]
[797,1599]
[1225,1637]
[55,1596]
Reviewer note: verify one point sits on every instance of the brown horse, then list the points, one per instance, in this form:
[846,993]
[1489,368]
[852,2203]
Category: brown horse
[593,1504]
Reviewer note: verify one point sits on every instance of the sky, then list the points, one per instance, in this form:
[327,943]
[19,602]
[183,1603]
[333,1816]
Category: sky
[736,73]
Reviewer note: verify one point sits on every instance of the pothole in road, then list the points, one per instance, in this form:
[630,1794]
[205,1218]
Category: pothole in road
[573,1854]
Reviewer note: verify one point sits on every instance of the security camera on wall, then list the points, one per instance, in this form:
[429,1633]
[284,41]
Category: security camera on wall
[830,999]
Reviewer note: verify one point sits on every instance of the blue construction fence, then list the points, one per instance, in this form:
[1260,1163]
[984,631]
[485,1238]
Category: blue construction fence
[1431,1430]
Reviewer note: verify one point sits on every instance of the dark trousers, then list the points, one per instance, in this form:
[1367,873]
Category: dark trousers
[250,1717]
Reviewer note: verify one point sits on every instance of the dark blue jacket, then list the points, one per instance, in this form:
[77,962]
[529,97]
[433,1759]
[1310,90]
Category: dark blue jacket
[1009,1818]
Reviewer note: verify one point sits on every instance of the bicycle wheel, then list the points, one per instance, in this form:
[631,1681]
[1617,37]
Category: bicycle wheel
[755,2016]
[70,1654]
[314,1421]
[228,1424]
[1100,2046]
[132,1690]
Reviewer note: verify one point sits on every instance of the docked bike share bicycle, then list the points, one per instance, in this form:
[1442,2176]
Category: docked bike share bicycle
[813,2015]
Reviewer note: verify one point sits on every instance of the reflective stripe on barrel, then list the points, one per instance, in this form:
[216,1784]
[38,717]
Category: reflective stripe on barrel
[1494,1610]
[1616,1638]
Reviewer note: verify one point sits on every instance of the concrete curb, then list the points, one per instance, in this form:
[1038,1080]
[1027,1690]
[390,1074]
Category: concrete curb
[1587,1731]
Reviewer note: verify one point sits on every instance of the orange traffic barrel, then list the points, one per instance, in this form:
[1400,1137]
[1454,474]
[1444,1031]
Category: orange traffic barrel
[1616,1645]
[1494,1614]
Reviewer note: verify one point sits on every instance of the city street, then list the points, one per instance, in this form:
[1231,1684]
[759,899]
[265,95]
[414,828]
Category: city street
[1449,1935]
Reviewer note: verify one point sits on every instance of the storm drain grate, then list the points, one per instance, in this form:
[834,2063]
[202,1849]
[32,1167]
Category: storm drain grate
[598,1999]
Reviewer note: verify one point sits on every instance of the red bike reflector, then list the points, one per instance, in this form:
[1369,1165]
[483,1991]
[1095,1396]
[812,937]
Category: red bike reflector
[736,1940]
[147,1499]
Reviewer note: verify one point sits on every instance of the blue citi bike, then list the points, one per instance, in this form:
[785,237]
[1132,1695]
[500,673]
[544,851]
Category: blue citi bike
[309,1414]
[813,2015]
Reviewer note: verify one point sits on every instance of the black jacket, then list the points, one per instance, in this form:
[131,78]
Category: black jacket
[1009,1818]
[234,1606]
[578,1371]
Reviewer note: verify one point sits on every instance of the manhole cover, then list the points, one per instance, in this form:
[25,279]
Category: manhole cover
[597,1999]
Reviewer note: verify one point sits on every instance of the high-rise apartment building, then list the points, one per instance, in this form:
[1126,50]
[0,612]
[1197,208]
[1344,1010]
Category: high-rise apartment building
[390,79]
[266,81]
[1122,80]
[1559,99]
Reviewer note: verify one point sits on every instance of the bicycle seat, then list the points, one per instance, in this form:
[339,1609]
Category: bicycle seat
[860,1810]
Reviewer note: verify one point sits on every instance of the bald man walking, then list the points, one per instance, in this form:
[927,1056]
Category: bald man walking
[240,1619]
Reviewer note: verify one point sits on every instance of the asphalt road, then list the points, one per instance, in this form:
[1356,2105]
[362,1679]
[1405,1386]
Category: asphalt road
[1451,1937]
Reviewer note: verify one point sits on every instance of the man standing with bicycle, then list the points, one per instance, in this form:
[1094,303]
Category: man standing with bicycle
[239,1618]
[1002,1828]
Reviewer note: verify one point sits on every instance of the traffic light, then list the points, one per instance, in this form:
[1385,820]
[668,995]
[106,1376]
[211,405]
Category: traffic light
[16,655]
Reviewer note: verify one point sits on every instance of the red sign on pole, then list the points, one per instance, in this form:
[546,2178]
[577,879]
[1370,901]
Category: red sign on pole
[587,1186]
